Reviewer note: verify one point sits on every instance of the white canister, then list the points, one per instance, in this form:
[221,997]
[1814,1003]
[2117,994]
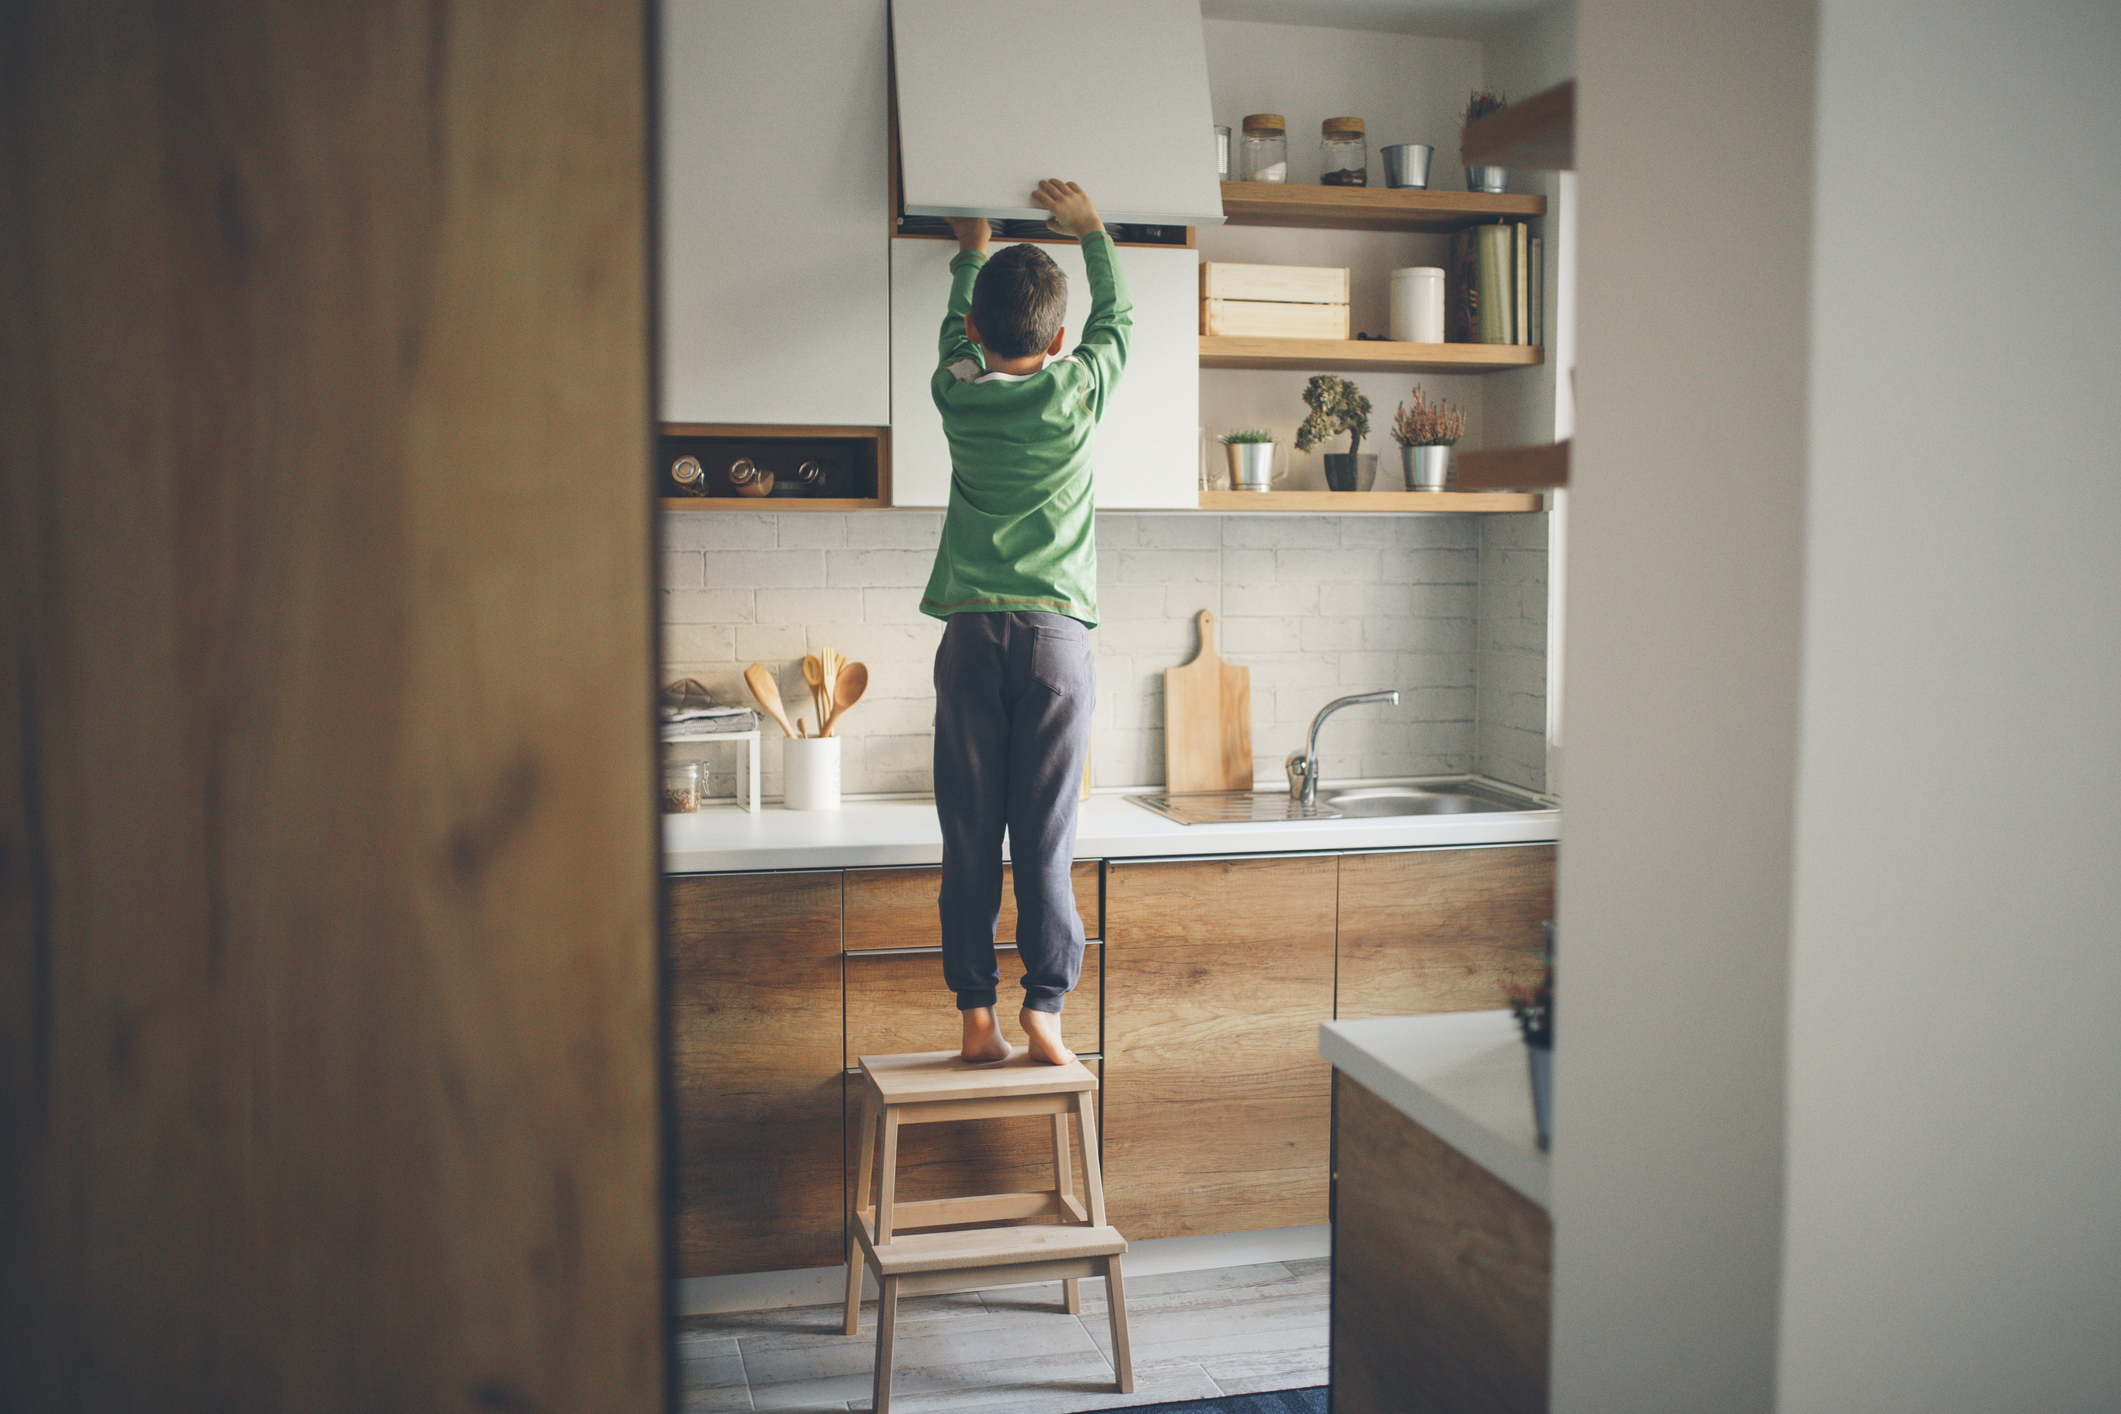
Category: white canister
[811,765]
[1417,305]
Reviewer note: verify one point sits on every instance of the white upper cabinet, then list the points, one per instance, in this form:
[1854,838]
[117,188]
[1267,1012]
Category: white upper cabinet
[775,164]
[1147,454]
[1112,94]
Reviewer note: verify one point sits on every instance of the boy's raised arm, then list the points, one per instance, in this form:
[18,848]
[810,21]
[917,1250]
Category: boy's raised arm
[1106,333]
[972,233]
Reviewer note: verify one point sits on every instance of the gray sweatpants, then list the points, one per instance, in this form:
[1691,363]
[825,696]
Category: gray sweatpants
[1013,694]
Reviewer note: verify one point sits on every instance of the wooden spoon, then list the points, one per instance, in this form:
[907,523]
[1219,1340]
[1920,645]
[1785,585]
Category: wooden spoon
[768,693]
[814,674]
[853,682]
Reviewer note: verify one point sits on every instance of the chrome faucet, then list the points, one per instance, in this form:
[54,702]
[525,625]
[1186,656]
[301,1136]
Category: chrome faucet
[1302,766]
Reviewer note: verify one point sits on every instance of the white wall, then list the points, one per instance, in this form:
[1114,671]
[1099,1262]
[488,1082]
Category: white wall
[1954,1191]
[1694,143]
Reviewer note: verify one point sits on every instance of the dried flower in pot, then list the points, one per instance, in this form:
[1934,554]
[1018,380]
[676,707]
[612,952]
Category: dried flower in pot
[1487,179]
[1425,434]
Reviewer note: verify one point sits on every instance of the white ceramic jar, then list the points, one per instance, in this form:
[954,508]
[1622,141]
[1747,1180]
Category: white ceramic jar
[1417,305]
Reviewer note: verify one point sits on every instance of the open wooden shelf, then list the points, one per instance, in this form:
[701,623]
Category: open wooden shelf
[1346,502]
[1513,468]
[1363,355]
[1369,208]
[1538,133]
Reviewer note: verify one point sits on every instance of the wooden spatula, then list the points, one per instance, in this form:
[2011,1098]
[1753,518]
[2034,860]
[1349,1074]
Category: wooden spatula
[1208,720]
[768,692]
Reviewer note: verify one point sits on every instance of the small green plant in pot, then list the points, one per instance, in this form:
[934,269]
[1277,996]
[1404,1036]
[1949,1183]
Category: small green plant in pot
[1425,434]
[1338,406]
[1251,454]
[1488,179]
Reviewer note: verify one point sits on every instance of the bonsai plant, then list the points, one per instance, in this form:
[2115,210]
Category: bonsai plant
[1425,433]
[1489,179]
[1251,454]
[1337,406]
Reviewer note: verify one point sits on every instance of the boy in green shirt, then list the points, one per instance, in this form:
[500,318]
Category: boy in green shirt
[1015,583]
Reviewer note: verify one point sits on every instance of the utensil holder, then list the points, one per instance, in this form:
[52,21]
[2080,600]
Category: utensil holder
[811,773]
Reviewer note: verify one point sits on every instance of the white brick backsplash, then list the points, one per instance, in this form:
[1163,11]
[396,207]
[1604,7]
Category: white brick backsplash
[880,568]
[1449,609]
[709,606]
[765,569]
[699,643]
[894,530]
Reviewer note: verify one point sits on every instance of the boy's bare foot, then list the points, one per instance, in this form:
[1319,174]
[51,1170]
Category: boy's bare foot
[1043,1030]
[983,1036]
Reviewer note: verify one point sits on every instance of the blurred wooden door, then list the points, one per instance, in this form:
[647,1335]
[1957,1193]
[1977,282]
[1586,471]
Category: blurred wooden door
[328,1029]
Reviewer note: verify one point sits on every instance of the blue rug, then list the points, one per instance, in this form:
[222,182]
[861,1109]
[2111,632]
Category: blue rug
[1284,1401]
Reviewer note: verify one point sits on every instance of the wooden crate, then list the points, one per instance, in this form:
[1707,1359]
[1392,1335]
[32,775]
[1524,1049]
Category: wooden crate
[1260,319]
[1278,284]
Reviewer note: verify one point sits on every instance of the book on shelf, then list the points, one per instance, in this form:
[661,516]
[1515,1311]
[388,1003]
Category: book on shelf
[1461,287]
[1539,292]
[1522,309]
[1496,283]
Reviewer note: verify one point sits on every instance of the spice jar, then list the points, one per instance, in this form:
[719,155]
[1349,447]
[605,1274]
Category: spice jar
[1344,155]
[749,479]
[682,783]
[691,479]
[1263,153]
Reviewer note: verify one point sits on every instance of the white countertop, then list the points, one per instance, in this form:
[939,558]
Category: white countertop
[726,839]
[1461,1075]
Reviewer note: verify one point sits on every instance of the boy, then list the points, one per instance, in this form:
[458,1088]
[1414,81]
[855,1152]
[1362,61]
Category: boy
[1015,583]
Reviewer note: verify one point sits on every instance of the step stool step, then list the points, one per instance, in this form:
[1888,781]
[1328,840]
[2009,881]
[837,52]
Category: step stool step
[911,1252]
[925,1077]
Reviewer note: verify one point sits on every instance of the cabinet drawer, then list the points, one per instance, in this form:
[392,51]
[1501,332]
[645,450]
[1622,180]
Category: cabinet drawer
[895,908]
[1441,929]
[896,1003]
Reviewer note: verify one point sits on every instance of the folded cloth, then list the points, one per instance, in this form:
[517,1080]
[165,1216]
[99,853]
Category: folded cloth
[723,719]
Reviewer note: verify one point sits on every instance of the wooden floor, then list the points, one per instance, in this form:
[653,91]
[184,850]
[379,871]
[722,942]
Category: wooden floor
[1231,1330]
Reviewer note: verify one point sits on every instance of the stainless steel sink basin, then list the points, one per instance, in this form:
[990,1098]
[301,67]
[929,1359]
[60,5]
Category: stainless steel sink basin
[1407,800]
[1238,807]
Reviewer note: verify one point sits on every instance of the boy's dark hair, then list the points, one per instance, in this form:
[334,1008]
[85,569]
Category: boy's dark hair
[1018,301]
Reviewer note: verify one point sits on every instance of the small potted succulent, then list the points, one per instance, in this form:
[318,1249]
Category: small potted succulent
[1338,406]
[1425,433]
[1534,1009]
[1251,454]
[1488,179]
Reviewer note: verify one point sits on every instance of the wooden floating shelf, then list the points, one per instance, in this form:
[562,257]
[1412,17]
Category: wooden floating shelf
[1538,133]
[1513,468]
[1343,502]
[1369,208]
[769,504]
[1364,355]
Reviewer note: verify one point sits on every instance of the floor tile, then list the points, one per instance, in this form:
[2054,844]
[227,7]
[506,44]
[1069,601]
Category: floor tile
[936,1354]
[1257,1374]
[1155,1382]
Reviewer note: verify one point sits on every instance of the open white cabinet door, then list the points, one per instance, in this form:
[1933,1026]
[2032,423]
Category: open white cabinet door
[1111,94]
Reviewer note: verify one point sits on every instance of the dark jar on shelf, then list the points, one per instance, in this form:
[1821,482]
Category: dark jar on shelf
[1344,154]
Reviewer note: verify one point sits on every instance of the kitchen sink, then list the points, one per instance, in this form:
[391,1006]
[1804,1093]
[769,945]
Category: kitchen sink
[1238,807]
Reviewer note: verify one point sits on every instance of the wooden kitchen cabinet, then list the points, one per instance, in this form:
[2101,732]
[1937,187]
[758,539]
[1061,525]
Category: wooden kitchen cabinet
[755,1013]
[895,908]
[1441,929]
[1217,975]
[775,183]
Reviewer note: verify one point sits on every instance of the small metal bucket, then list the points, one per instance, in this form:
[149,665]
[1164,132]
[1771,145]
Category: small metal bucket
[1488,179]
[1251,465]
[1407,164]
[1427,468]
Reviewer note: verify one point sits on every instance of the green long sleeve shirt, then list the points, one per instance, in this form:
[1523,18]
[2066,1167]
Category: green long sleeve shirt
[1020,531]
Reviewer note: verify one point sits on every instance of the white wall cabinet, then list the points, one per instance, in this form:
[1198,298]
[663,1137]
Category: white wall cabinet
[1113,93]
[1147,454]
[776,161]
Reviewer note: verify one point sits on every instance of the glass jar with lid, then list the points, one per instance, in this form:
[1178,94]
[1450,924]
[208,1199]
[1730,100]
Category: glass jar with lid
[1344,154]
[1263,151]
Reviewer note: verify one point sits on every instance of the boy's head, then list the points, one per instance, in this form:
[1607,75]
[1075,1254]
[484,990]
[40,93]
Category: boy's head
[1018,302]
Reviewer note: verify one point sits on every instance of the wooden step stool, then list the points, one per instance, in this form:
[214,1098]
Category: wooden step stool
[933,1086]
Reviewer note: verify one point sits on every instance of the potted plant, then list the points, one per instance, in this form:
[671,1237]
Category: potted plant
[1489,179]
[1425,433]
[1338,406]
[1251,454]
[1534,1008]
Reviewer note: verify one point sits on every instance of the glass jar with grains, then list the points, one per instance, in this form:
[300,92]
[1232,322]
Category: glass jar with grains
[1344,155]
[1263,152]
[682,783]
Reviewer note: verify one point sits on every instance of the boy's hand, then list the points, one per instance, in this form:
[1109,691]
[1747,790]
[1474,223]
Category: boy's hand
[1073,214]
[971,232]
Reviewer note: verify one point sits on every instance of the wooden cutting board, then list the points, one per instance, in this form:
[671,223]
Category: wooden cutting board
[1208,720]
